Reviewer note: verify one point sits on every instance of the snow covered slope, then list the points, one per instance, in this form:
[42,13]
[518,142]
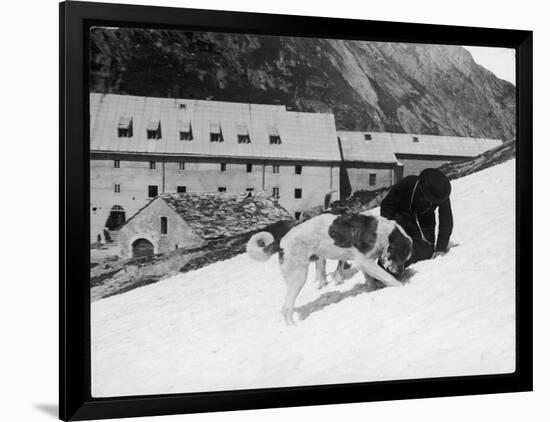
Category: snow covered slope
[220,327]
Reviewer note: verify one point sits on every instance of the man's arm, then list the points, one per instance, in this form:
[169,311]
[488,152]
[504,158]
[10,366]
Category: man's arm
[445,225]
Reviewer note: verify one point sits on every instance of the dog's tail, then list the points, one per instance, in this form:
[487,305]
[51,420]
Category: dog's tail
[262,245]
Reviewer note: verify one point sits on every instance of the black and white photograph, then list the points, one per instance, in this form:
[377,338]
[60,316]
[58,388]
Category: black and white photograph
[273,211]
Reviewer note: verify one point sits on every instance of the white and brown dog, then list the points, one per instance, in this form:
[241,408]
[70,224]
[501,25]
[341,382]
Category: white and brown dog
[375,245]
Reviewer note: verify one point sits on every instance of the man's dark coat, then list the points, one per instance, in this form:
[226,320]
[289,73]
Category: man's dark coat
[417,217]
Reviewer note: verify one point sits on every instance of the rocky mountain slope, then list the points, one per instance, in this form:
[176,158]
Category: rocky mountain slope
[397,87]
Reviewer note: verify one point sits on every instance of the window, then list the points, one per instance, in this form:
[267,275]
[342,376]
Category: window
[372,179]
[243,136]
[249,167]
[368,137]
[116,164]
[222,189]
[216,137]
[186,133]
[275,168]
[298,169]
[152,165]
[223,167]
[125,127]
[181,189]
[123,133]
[216,132]
[186,136]
[243,139]
[297,193]
[153,130]
[152,191]
[274,140]
[163,225]
[182,165]
[274,136]
[117,188]
[415,139]
[276,193]
[297,215]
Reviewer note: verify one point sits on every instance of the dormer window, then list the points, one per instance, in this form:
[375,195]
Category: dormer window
[216,132]
[186,132]
[125,127]
[274,136]
[243,139]
[368,137]
[153,130]
[243,136]
[415,139]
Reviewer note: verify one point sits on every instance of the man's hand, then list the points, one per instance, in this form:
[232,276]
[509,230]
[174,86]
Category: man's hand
[438,253]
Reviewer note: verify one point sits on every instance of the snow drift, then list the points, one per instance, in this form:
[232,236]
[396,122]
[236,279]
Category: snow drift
[220,327]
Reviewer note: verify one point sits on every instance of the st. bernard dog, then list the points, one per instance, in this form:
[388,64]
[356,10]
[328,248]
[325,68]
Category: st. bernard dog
[375,245]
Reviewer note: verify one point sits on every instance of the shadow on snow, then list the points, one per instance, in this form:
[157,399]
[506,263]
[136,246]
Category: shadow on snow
[333,297]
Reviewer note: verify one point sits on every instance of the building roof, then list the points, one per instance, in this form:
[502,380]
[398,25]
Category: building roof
[214,215]
[384,146]
[356,148]
[305,136]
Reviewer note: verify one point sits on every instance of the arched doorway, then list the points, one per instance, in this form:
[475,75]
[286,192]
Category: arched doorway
[117,217]
[142,247]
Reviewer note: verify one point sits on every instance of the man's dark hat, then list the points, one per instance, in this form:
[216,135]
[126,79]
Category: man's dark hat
[435,186]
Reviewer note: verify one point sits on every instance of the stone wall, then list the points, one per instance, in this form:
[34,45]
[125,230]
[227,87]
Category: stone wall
[202,175]
[359,177]
[133,176]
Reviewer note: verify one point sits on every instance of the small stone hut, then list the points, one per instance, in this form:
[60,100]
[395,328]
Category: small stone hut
[186,220]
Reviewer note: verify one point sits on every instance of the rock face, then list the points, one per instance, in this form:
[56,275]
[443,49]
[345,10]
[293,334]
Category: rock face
[396,87]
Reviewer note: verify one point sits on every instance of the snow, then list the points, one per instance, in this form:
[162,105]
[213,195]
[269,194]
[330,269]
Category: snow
[220,327]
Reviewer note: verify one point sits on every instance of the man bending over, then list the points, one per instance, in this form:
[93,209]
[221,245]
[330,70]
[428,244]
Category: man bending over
[412,202]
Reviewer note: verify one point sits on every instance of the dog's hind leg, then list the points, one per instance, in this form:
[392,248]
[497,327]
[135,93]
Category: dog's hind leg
[321,273]
[295,278]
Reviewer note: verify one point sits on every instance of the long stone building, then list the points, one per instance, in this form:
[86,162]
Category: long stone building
[143,147]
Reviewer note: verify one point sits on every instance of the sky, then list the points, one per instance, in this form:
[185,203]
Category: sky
[500,61]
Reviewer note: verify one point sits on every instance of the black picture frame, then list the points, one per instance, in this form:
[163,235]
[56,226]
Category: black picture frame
[75,398]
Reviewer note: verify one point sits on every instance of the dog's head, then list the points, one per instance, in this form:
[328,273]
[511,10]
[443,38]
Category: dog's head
[397,252]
